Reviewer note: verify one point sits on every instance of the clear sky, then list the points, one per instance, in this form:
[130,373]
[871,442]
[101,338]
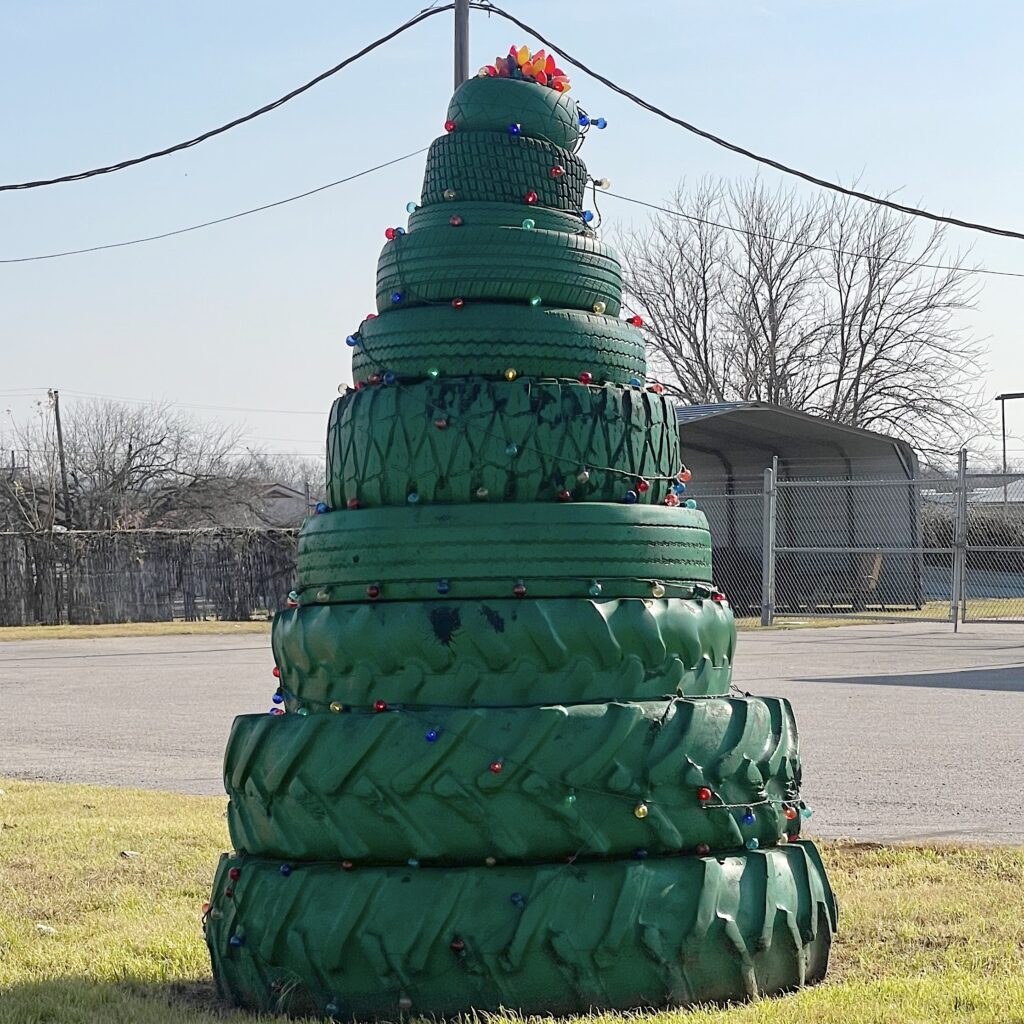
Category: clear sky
[923,96]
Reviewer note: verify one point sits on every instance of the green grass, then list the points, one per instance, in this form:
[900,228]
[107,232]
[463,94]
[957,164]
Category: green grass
[928,935]
[8,633]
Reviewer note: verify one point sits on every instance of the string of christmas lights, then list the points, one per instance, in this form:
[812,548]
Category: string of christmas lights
[432,410]
[497,763]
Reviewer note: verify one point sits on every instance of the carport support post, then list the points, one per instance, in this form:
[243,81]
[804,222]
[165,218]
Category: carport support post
[958,604]
[768,548]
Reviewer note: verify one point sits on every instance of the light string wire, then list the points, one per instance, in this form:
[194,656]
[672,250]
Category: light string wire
[432,409]
[486,5]
[571,790]
[134,161]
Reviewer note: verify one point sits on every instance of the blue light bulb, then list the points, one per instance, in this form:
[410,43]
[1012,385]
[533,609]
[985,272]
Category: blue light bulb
[285,869]
[443,586]
[431,736]
[278,698]
[396,296]
[748,818]
[584,120]
[679,488]
[399,231]
[635,382]
[389,378]
[600,123]
[630,497]
[518,899]
[352,340]
[515,129]
[588,216]
[322,507]
[235,941]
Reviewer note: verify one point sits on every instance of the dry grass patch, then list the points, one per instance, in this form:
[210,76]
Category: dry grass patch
[129,629]
[929,934]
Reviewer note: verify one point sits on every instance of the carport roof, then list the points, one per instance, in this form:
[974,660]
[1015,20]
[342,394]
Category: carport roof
[728,428]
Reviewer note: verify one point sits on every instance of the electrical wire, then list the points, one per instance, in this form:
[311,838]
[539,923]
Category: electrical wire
[810,245]
[914,211]
[132,162]
[218,220]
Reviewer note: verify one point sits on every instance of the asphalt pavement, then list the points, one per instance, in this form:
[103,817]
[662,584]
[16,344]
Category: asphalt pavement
[908,731]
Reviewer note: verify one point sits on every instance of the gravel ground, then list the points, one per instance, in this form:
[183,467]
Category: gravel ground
[908,731]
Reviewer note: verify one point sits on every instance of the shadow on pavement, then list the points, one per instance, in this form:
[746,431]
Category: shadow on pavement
[1007,680]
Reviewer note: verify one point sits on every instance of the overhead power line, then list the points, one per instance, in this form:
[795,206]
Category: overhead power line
[133,161]
[809,245]
[191,405]
[914,211]
[217,220]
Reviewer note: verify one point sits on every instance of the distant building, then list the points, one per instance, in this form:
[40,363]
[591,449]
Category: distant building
[283,506]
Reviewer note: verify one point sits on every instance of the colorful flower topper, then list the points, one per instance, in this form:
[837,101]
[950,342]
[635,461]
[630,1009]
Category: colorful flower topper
[539,68]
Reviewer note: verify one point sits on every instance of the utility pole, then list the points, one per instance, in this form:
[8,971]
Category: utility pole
[461,41]
[55,402]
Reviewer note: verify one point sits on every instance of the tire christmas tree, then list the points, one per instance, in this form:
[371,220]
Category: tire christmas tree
[503,767]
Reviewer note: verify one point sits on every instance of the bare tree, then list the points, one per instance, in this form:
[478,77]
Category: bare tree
[132,467]
[815,304]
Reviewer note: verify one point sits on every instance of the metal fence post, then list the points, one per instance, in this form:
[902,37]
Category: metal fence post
[768,551]
[957,597]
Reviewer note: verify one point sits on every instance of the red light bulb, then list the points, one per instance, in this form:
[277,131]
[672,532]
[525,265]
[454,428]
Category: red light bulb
[276,673]
[531,198]
[380,705]
[441,424]
[371,316]
[373,591]
[235,874]
[704,794]
[643,486]
[636,321]
[496,767]
[352,503]
[347,865]
[685,476]
[456,221]
[519,590]
[703,849]
[586,378]
[790,813]
[450,126]
[458,303]
[389,234]
[565,495]
[658,389]
[557,171]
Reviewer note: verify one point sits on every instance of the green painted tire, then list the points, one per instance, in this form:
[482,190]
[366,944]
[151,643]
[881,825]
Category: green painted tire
[497,167]
[484,550]
[548,939]
[405,783]
[475,264]
[485,339]
[505,653]
[492,104]
[496,215]
[442,439]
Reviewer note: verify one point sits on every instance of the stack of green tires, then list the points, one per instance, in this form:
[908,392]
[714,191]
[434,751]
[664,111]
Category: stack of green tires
[503,768]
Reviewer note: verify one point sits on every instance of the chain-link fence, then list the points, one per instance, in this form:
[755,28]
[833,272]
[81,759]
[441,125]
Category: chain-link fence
[932,547]
[144,575]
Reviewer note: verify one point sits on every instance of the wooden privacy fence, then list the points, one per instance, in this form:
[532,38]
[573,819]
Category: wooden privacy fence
[144,575]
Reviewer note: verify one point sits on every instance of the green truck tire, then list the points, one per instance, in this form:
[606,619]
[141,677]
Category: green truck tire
[453,786]
[498,167]
[495,264]
[493,338]
[504,653]
[488,550]
[524,440]
[544,939]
